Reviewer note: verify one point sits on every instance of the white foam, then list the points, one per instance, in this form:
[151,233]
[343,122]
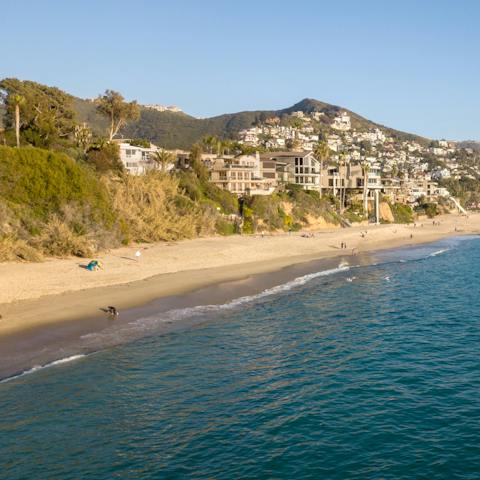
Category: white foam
[36,368]
[439,252]
[202,309]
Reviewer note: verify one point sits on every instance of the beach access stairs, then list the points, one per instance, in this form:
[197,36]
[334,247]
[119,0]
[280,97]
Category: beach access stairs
[457,204]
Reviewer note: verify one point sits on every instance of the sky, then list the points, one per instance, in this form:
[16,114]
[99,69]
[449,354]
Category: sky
[413,65]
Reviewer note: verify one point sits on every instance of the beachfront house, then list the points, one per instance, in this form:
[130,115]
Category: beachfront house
[243,175]
[304,168]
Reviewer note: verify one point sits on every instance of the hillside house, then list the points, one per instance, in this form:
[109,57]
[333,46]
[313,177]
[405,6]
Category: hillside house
[306,168]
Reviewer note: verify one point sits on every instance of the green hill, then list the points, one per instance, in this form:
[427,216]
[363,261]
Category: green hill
[179,130]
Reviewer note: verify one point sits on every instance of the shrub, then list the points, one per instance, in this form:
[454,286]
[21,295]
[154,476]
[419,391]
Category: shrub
[402,213]
[105,158]
[49,203]
[224,227]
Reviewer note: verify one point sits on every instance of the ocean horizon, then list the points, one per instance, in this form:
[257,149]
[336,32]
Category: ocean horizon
[352,371]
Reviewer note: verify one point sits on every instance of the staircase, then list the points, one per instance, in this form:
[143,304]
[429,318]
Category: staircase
[457,204]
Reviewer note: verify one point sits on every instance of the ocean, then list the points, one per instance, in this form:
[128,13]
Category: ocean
[352,372]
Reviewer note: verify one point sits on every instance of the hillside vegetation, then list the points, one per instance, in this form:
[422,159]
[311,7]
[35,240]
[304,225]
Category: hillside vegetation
[64,191]
[52,206]
[179,130]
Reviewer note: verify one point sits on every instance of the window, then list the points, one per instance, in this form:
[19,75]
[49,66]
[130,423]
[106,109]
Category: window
[240,176]
[233,175]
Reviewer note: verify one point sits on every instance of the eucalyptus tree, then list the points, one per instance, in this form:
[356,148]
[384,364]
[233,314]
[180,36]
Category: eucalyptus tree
[113,106]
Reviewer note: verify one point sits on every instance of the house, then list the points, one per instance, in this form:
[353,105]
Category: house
[351,177]
[242,175]
[137,160]
[342,122]
[306,168]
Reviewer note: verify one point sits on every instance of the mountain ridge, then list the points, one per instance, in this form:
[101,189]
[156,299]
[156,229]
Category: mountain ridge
[180,130]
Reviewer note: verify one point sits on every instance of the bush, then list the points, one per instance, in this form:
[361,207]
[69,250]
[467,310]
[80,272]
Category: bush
[202,190]
[151,208]
[49,203]
[427,208]
[401,213]
[223,227]
[105,158]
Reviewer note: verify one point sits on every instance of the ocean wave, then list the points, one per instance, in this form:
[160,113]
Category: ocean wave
[36,368]
[439,252]
[202,309]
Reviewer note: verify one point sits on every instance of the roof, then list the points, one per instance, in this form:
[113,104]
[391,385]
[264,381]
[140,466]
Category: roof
[268,155]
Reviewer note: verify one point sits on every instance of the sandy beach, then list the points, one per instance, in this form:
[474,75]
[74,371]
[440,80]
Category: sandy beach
[60,290]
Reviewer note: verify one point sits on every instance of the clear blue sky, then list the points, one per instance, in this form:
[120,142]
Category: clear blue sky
[411,65]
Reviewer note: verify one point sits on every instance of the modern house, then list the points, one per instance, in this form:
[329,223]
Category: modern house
[306,168]
[243,175]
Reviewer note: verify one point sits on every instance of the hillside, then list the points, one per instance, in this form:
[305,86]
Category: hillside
[179,130]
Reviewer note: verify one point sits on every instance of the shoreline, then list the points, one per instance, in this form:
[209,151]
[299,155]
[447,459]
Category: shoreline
[71,298]
[59,319]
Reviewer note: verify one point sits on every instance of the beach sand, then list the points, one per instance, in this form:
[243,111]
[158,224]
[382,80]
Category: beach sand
[33,295]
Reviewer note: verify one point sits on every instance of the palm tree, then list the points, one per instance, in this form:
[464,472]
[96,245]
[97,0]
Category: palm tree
[365,170]
[322,153]
[210,142]
[17,100]
[163,158]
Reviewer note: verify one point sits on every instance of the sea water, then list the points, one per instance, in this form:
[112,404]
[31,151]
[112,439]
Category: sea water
[368,372]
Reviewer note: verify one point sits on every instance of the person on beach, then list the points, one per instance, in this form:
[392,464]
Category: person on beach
[112,311]
[94,265]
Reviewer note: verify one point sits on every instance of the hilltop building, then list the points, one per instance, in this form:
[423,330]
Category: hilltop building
[164,108]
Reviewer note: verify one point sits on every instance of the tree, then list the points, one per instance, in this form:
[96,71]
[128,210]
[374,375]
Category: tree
[17,100]
[83,136]
[322,153]
[196,163]
[113,106]
[105,157]
[163,158]
[211,143]
[47,113]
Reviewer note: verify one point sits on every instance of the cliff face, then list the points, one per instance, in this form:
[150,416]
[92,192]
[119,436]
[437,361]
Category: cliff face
[386,213]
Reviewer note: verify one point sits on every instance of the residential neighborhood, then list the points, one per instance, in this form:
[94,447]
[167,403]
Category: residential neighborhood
[359,161]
